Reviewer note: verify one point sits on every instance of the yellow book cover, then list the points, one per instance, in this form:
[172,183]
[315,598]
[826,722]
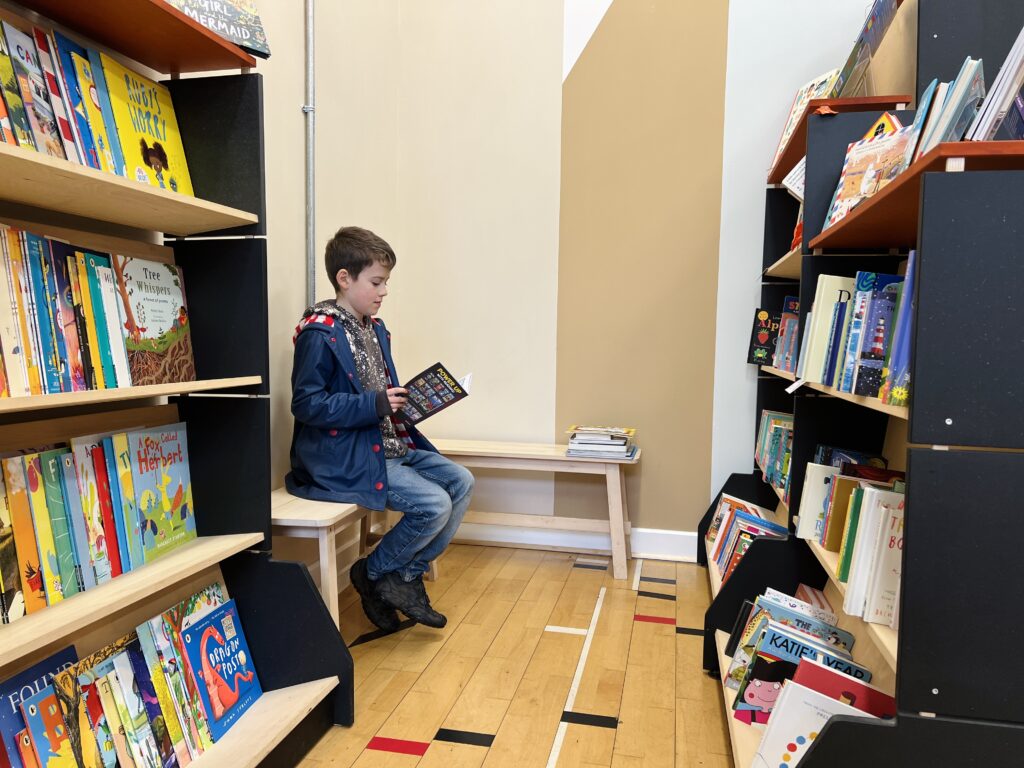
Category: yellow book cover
[44,533]
[148,129]
[94,113]
[90,319]
[24,534]
[22,292]
[129,509]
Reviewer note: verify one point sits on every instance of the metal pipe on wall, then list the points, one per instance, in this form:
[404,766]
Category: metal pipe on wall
[309,112]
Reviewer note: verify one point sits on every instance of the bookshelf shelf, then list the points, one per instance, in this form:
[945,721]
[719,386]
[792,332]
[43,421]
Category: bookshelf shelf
[745,739]
[886,639]
[149,31]
[52,184]
[265,725]
[796,147]
[873,403]
[788,266]
[97,396]
[890,218]
[62,621]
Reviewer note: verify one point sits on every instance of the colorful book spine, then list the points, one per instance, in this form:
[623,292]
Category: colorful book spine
[48,67]
[85,332]
[76,519]
[88,492]
[99,463]
[162,689]
[135,709]
[20,125]
[53,310]
[100,79]
[24,307]
[115,503]
[115,325]
[93,111]
[66,320]
[158,723]
[63,542]
[113,718]
[45,724]
[10,331]
[93,262]
[6,132]
[12,601]
[130,508]
[43,319]
[24,534]
[34,92]
[76,101]
[96,719]
[143,755]
[44,532]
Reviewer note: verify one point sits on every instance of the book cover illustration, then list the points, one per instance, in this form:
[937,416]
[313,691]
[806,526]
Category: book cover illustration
[114,324]
[65,318]
[895,388]
[142,689]
[148,129]
[113,488]
[24,534]
[870,166]
[89,496]
[106,108]
[34,92]
[93,111]
[237,21]
[12,601]
[21,686]
[851,80]
[25,751]
[855,693]
[45,725]
[80,276]
[220,659]
[47,64]
[168,705]
[130,508]
[112,717]
[20,125]
[42,319]
[100,726]
[133,712]
[45,544]
[875,340]
[6,131]
[99,463]
[167,629]
[63,47]
[163,488]
[763,337]
[157,334]
[63,541]
[430,392]
[93,262]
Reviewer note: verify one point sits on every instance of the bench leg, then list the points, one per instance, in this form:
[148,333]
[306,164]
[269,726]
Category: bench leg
[329,571]
[364,533]
[616,523]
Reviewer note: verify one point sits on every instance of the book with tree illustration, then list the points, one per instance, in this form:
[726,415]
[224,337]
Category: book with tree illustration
[156,328]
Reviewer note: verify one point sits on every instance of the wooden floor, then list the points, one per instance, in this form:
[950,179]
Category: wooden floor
[504,684]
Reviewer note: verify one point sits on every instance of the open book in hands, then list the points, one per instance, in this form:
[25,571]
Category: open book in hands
[432,391]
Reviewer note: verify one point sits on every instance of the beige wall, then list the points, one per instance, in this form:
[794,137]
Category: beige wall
[641,187]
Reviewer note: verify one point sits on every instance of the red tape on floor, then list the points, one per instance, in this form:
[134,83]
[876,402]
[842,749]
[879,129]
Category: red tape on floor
[399,746]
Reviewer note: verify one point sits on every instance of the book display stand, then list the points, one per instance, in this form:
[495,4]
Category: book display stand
[960,439]
[303,664]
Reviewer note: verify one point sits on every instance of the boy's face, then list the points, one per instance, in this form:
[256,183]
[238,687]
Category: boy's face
[365,293]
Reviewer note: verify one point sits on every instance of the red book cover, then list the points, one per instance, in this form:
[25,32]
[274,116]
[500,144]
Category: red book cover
[99,462]
[844,688]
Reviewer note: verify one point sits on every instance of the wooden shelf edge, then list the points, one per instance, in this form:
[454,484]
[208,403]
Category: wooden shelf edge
[32,177]
[274,715]
[59,622]
[789,266]
[713,575]
[886,639]
[745,739]
[791,154]
[93,396]
[991,155]
[872,403]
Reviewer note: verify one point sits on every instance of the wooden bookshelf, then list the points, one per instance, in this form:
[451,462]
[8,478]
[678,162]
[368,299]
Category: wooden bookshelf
[745,739]
[886,639]
[149,31]
[52,184]
[265,725]
[98,396]
[796,147]
[66,618]
[889,219]
[873,403]
[788,266]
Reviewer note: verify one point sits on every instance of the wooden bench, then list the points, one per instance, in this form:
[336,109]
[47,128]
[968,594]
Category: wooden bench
[544,457]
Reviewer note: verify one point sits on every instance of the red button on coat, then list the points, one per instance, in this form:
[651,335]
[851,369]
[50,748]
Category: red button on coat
[376,448]
[333,433]
[379,486]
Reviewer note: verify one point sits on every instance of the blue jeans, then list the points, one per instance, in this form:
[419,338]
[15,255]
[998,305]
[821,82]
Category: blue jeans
[432,493]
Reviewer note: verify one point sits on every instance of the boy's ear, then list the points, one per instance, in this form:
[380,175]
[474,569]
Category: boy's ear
[342,278]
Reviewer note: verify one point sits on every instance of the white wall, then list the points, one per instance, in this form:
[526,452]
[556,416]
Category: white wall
[775,46]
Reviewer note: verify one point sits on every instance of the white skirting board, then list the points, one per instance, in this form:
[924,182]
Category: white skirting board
[646,543]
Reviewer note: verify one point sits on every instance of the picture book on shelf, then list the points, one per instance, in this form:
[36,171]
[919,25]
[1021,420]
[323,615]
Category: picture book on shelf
[430,392]
[237,21]
[812,674]
[148,128]
[222,665]
[870,165]
[163,488]
[763,337]
[47,731]
[157,334]
[34,92]
[14,690]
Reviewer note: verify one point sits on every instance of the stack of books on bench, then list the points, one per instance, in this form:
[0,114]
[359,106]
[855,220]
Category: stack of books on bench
[601,442]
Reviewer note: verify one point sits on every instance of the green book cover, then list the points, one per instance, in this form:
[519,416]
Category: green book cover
[92,261]
[850,535]
[51,465]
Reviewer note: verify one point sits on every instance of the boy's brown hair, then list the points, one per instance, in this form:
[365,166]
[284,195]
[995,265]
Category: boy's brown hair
[354,249]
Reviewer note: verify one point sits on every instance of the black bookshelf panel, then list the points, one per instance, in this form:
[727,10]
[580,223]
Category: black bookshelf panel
[828,137]
[229,462]
[226,290]
[961,568]
[749,487]
[221,122]
[967,384]
[780,214]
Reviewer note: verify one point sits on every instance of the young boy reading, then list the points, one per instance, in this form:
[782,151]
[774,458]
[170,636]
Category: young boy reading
[349,444]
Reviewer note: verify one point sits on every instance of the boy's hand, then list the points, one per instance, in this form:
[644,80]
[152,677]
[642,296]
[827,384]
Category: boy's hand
[397,398]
